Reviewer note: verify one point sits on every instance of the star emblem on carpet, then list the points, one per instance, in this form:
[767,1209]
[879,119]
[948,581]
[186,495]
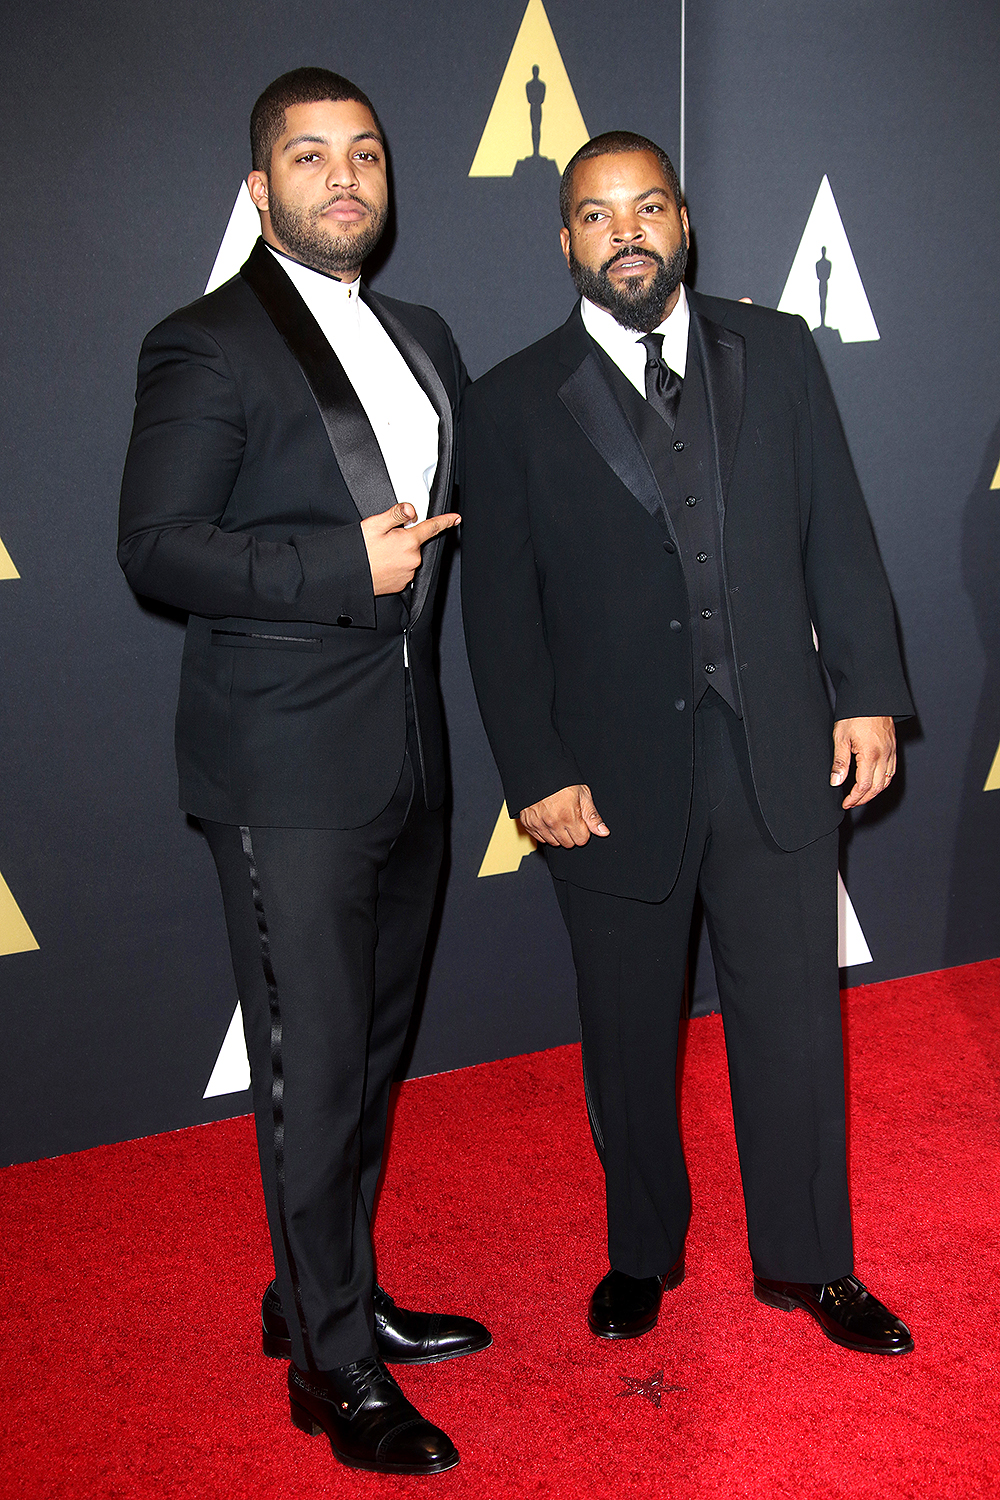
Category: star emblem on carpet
[651,1389]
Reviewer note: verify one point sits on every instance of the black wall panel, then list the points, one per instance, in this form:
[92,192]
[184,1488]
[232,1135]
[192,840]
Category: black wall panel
[127,144]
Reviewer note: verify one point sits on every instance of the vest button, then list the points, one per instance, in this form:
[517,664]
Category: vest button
[691,500]
[345,619]
[678,447]
[679,704]
[676,625]
[702,557]
[669,547]
[710,666]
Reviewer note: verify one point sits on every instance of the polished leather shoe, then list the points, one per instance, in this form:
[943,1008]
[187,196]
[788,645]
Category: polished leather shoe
[368,1420]
[845,1310]
[623,1307]
[401,1337]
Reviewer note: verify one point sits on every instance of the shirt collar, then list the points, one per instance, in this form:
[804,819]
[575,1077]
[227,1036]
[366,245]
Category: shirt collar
[317,289]
[623,343]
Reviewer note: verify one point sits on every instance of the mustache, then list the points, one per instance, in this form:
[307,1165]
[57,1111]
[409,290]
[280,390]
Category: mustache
[344,198]
[628,252]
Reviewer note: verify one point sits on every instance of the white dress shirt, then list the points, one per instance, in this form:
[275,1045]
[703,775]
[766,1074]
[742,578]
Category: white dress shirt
[623,346]
[403,419]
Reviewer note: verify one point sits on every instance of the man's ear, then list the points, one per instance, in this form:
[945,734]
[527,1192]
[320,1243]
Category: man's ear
[564,241]
[257,186]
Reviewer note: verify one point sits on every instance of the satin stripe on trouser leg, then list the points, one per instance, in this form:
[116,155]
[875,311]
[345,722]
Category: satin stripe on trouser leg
[347,913]
[772,920]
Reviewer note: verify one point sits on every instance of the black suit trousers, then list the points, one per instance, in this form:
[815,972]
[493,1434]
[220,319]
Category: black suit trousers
[772,921]
[327,929]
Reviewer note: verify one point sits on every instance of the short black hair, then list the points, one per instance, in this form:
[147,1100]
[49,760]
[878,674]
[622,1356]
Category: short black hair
[300,86]
[610,144]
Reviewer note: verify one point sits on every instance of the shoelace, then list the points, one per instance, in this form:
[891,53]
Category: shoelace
[364,1372]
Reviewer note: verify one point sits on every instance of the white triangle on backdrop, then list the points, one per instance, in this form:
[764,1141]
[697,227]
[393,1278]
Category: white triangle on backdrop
[851,945]
[241,235]
[847,309]
[231,1074]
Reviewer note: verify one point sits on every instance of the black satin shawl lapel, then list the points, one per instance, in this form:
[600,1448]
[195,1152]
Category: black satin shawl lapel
[351,436]
[723,363]
[592,403]
[425,373]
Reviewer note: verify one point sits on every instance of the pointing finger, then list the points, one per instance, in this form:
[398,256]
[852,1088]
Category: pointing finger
[424,530]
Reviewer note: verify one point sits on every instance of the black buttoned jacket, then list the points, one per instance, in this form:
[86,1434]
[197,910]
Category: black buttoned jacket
[569,592]
[250,467]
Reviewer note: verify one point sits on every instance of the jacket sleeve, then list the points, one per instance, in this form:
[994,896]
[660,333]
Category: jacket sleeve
[846,585]
[188,441]
[502,607]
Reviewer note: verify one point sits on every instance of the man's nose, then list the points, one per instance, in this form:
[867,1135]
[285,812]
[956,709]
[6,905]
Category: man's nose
[625,234]
[342,174]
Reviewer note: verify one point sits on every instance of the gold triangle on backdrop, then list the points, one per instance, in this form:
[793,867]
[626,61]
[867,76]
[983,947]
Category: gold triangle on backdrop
[507,137]
[15,934]
[993,779]
[507,847]
[7,568]
[996,479]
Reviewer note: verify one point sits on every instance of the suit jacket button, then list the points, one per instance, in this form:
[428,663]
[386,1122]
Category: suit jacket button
[679,704]
[345,619]
[676,625]
[678,447]
[669,547]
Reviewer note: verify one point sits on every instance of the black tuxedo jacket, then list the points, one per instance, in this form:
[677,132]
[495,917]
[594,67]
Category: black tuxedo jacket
[576,612]
[250,468]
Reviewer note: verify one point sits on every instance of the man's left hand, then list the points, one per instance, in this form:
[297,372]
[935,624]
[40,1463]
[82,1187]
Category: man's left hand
[873,744]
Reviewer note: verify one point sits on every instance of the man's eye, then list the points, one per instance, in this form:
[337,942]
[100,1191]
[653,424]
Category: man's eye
[651,208]
[592,218]
[367,155]
[309,156]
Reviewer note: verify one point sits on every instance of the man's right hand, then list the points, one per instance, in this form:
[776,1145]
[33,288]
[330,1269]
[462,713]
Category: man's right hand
[394,544]
[565,820]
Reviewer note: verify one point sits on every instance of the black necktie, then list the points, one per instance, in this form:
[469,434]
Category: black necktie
[663,385]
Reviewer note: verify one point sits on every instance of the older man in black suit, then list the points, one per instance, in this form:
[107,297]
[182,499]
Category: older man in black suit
[287,483]
[659,508]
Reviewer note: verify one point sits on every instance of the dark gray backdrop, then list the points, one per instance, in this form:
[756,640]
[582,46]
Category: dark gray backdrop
[126,145]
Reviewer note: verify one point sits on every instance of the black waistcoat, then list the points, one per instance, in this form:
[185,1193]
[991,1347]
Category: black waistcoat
[683,464]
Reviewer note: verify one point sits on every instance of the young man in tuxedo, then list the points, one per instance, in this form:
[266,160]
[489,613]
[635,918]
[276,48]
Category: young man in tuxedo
[659,506]
[288,482]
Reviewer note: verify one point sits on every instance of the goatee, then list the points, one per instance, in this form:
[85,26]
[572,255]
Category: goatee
[630,302]
[305,238]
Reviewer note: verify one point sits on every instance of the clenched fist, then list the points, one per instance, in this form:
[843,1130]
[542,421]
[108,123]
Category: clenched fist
[565,820]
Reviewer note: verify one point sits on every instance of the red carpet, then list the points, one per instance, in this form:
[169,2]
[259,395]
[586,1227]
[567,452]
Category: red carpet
[133,1273]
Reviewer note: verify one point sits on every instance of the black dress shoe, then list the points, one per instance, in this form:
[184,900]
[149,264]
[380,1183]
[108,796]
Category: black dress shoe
[415,1338]
[401,1337]
[845,1310]
[368,1420]
[623,1307]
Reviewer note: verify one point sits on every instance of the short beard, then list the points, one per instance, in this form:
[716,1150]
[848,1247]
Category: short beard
[301,235]
[630,303]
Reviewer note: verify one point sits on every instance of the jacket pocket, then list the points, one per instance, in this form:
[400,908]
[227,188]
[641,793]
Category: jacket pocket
[253,640]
